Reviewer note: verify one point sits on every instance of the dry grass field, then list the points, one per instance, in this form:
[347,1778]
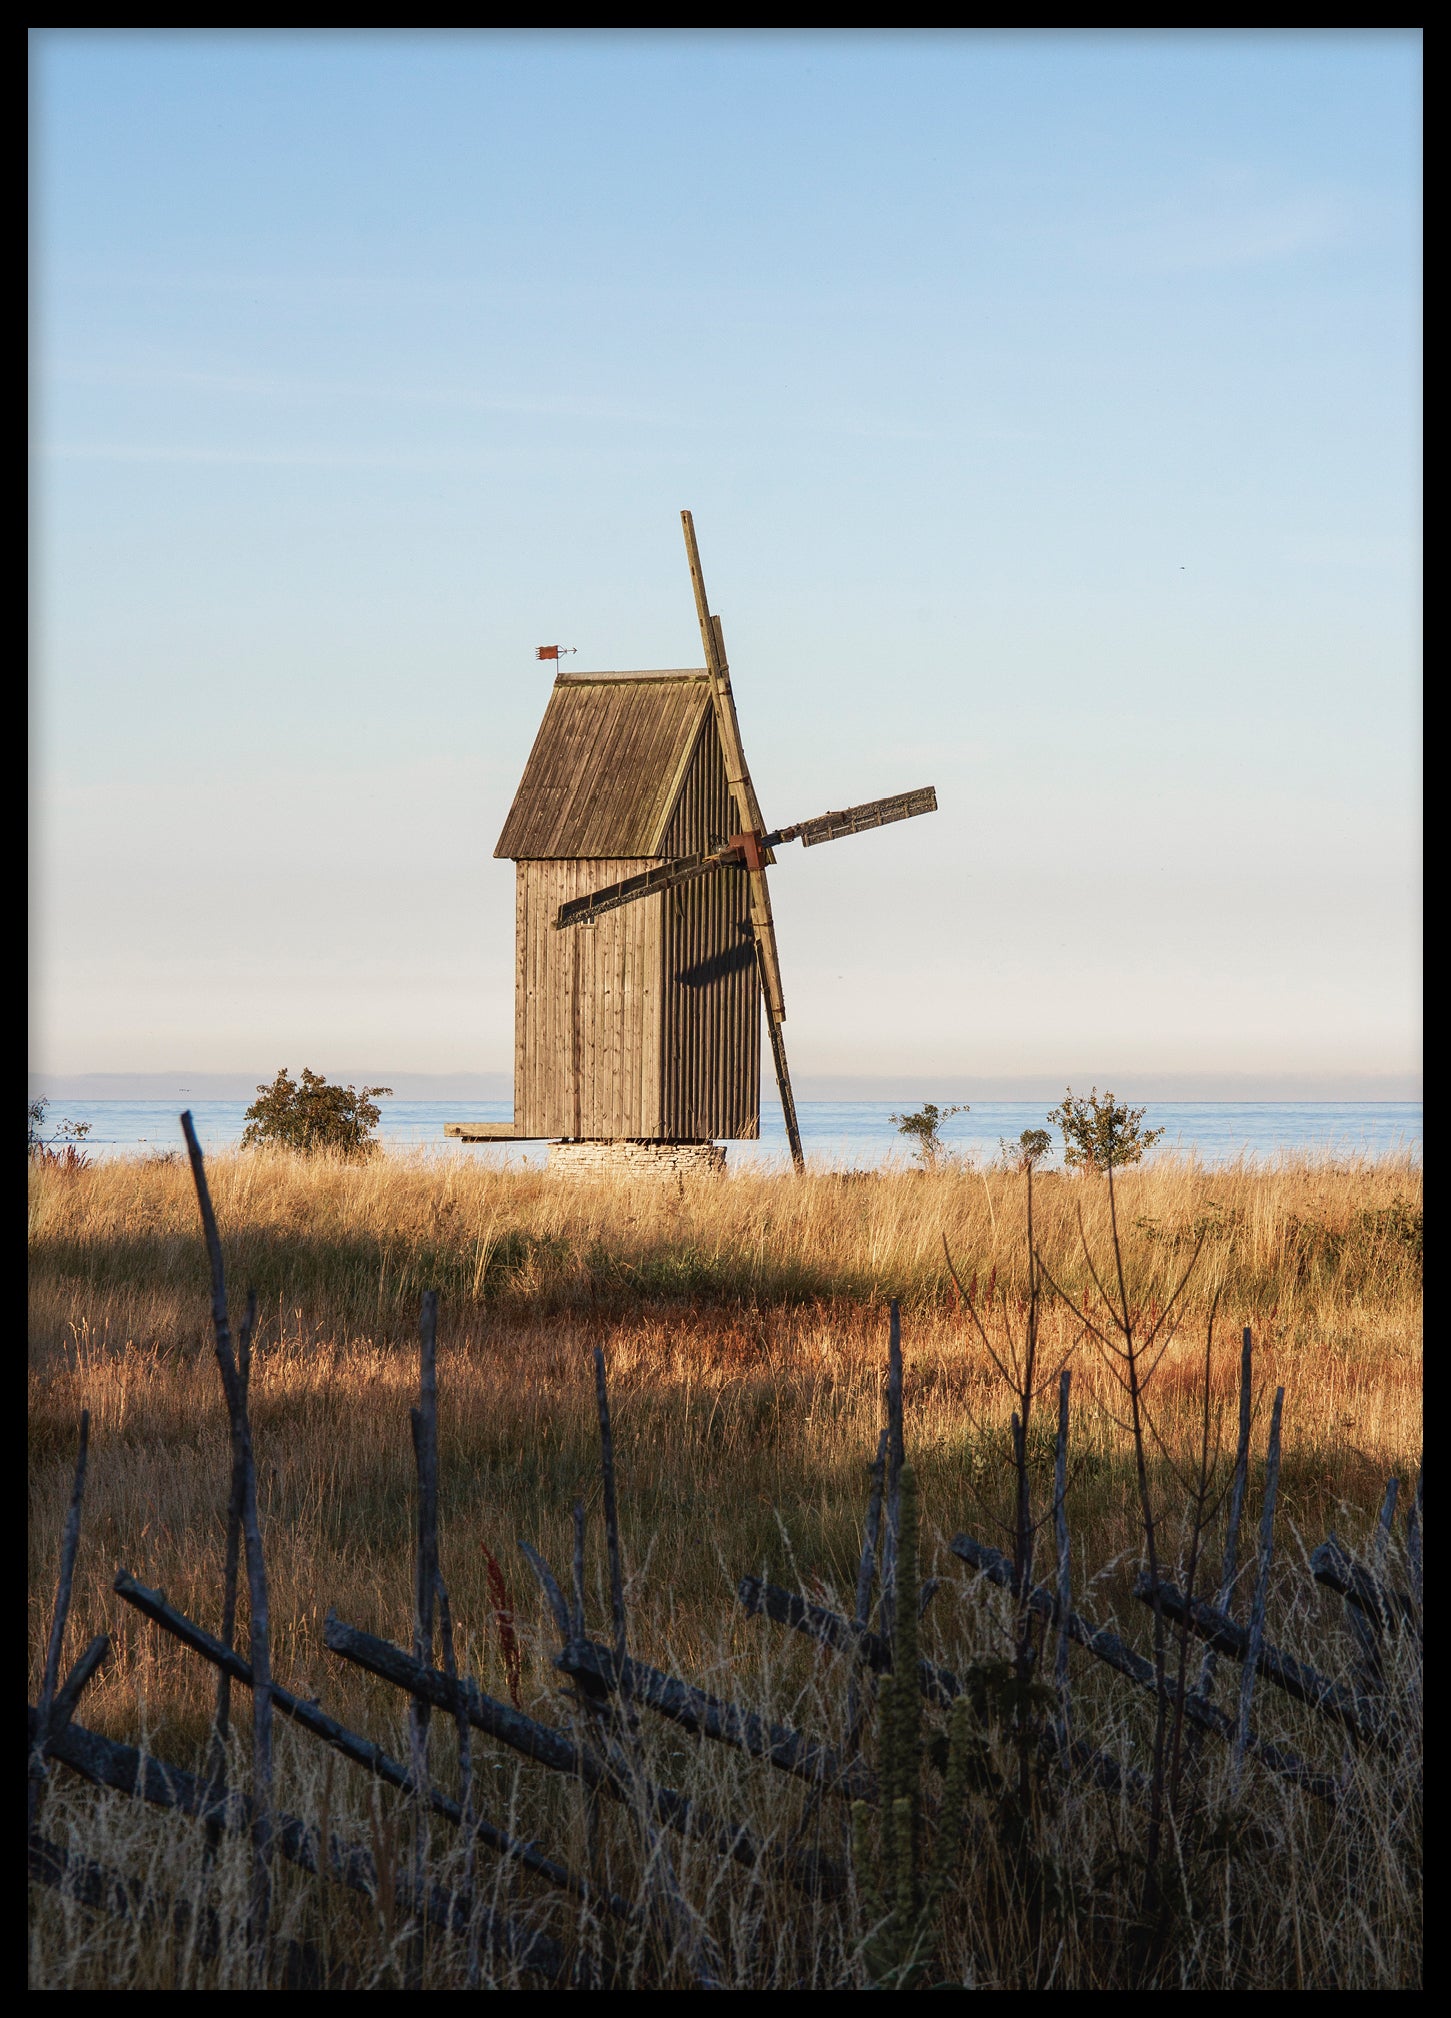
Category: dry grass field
[744,1323]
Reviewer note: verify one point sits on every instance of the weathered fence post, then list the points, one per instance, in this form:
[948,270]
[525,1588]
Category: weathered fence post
[1413,1542]
[244,1463]
[1060,1533]
[70,1543]
[1229,1566]
[612,1513]
[887,1609]
[1262,1588]
[423,1421]
[866,1570]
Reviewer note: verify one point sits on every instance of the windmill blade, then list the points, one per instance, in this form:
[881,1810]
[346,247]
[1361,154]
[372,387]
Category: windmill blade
[861,819]
[668,875]
[749,814]
[687,868]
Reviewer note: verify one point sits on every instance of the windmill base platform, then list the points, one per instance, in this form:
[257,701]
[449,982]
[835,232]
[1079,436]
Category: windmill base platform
[604,1156]
[637,1159]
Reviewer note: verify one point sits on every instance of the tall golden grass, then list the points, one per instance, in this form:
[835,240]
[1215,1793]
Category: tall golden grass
[744,1322]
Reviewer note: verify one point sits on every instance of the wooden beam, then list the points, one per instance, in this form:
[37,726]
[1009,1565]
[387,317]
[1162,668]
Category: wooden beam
[739,778]
[361,1751]
[549,1747]
[487,1131]
[1115,1653]
[604,1673]
[1296,1678]
[107,1764]
[601,679]
[748,810]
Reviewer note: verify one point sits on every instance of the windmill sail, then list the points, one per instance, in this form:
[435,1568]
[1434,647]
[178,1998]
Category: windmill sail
[686,868]
[860,819]
[580,910]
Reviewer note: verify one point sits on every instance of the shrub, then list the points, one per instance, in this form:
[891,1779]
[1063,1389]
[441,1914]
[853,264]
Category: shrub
[313,1115]
[923,1128]
[59,1148]
[1027,1152]
[1099,1135]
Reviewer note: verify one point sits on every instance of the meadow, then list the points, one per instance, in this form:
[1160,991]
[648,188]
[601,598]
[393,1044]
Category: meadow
[744,1324]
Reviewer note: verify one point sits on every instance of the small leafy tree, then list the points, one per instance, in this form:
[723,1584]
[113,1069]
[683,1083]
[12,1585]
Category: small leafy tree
[1101,1135]
[1028,1151]
[924,1128]
[313,1115]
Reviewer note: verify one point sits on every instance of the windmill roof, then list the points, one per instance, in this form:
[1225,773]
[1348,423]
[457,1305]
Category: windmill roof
[607,765]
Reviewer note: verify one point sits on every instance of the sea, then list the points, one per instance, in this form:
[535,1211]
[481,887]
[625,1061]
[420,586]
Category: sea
[835,1134]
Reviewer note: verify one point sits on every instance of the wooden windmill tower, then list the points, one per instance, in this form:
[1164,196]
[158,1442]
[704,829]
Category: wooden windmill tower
[644,943]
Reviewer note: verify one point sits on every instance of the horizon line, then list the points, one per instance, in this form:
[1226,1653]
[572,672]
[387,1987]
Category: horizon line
[1203,1088]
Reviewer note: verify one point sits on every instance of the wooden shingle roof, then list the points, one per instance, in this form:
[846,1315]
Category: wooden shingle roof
[607,766]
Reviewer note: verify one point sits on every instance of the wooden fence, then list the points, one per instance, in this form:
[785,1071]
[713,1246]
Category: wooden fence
[610,1686]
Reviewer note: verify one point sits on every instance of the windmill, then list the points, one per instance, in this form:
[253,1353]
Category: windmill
[638,995]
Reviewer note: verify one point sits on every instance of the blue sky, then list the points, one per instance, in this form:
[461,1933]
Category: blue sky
[1049,409]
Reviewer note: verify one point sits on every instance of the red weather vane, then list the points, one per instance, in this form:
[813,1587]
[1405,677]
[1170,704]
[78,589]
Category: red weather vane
[553,651]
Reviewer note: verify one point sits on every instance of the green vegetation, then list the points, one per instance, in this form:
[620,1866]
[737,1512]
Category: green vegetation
[1024,1155]
[1099,1135]
[924,1128]
[313,1116]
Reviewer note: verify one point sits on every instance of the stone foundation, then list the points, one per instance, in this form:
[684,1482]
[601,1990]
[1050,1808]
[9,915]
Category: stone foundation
[637,1159]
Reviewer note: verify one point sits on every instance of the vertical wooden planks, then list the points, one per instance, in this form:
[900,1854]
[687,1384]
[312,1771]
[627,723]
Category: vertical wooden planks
[523,1024]
[645,1024]
[587,1038]
[710,1028]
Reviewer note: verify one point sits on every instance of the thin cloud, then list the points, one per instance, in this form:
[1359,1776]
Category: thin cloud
[833,423]
[264,458]
[259,385]
[1227,226]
